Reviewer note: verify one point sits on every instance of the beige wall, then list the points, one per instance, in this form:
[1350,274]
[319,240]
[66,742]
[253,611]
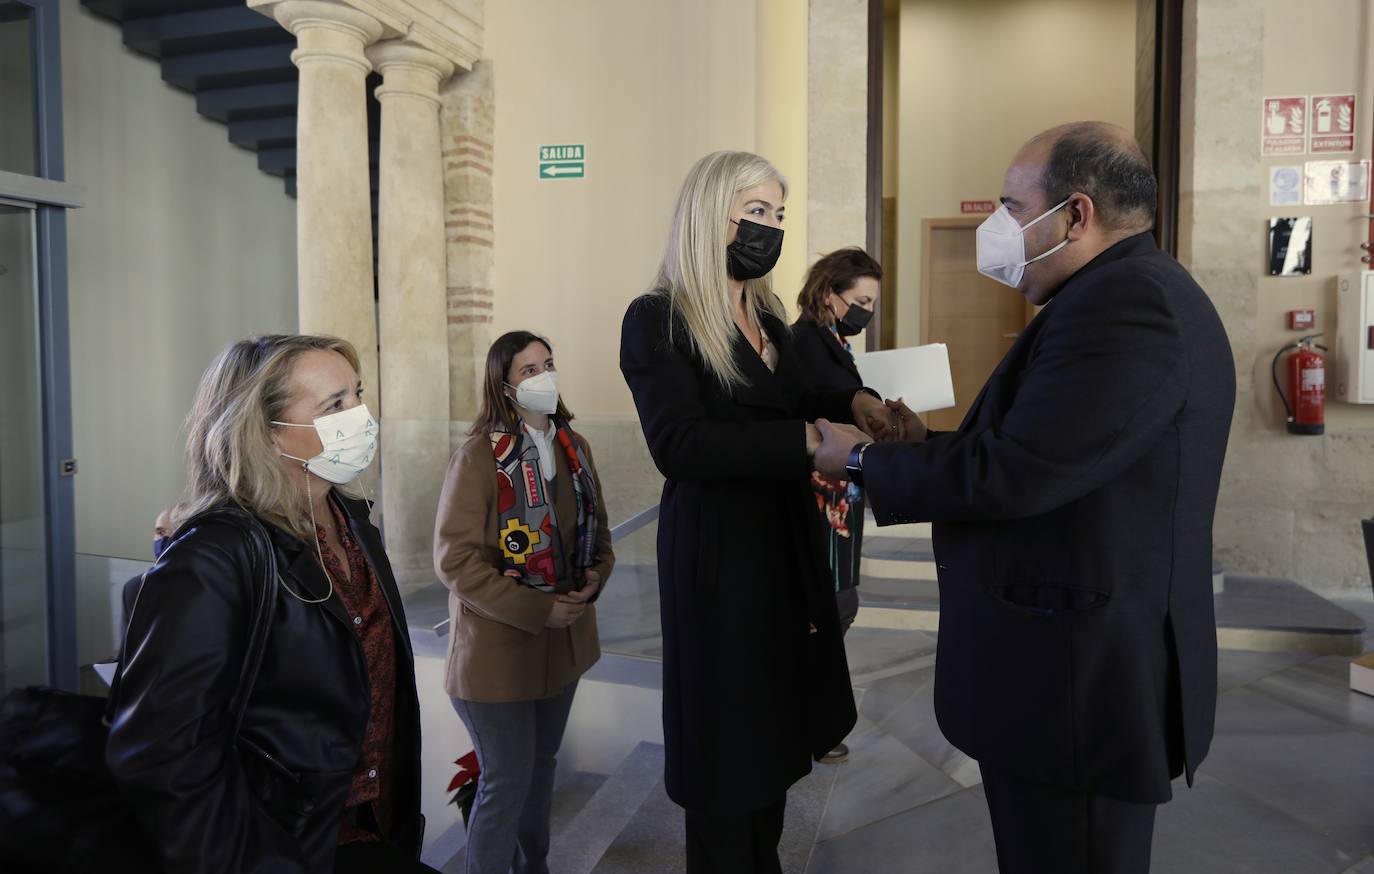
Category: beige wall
[980,77]
[649,86]
[1290,506]
[183,246]
[780,129]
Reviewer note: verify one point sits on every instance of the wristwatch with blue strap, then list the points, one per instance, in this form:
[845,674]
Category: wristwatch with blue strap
[854,468]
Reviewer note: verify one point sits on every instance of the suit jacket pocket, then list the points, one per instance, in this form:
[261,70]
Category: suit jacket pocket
[1047,599]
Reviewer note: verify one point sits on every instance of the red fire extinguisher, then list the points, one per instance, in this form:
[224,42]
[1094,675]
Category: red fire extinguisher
[1306,385]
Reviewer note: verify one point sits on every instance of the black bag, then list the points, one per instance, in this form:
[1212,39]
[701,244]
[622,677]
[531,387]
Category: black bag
[60,810]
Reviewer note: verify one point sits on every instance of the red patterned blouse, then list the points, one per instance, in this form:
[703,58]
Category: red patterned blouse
[362,598]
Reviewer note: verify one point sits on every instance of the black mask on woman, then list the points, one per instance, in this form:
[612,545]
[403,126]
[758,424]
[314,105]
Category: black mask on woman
[855,319]
[755,250]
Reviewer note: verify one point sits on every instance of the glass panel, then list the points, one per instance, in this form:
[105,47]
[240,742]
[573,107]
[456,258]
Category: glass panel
[627,615]
[23,525]
[16,89]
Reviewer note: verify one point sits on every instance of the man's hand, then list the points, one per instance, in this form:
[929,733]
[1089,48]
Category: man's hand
[836,442]
[874,417]
[910,427]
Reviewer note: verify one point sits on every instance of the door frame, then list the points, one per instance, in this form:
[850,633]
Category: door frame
[51,196]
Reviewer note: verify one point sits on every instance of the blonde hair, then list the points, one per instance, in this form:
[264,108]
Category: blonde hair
[693,273]
[230,453]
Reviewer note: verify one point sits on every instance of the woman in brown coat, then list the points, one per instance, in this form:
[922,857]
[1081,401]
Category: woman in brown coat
[522,543]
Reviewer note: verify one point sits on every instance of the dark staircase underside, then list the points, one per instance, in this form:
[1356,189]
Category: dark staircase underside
[237,63]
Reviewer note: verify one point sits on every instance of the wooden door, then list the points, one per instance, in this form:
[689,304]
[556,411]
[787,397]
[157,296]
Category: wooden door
[977,318]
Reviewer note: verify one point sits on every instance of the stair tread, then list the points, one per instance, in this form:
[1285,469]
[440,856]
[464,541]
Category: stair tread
[580,845]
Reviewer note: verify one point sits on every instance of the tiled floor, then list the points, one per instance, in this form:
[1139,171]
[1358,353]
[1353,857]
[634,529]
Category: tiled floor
[1287,789]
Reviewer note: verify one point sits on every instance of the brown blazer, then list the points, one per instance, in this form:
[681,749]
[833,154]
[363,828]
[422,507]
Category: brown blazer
[499,649]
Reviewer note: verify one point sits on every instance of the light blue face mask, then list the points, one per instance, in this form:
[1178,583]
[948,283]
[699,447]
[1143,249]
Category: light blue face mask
[1001,245]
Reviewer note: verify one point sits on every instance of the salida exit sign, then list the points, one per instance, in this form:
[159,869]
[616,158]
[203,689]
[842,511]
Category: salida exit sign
[567,161]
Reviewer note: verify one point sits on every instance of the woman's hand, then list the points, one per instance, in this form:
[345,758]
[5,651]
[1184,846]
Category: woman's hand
[813,440]
[910,427]
[874,418]
[565,612]
[590,586]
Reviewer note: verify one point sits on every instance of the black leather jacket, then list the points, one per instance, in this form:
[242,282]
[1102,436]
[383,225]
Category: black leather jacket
[271,800]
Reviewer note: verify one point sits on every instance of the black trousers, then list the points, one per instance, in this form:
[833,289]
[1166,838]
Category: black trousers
[375,857]
[1047,830]
[738,844]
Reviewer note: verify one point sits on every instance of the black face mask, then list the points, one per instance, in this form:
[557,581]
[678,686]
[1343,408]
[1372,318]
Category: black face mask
[755,250]
[854,321]
[160,545]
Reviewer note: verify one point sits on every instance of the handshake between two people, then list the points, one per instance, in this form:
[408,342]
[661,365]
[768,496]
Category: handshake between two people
[829,443]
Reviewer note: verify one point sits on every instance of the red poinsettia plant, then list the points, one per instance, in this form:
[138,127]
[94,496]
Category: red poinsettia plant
[464,784]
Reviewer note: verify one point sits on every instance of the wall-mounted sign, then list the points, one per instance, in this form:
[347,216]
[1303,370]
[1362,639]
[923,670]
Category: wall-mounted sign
[1330,182]
[1333,123]
[1290,246]
[977,206]
[1283,126]
[563,162]
[1285,186]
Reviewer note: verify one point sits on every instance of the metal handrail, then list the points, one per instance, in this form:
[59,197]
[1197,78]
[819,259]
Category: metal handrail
[618,532]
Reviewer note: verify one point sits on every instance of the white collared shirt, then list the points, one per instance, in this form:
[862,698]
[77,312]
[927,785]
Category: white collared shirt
[544,443]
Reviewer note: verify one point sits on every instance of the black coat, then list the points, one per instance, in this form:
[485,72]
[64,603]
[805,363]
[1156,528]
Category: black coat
[1073,534]
[274,801]
[755,680]
[830,367]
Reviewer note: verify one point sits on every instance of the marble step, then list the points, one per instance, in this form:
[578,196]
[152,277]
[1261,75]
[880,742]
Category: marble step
[580,845]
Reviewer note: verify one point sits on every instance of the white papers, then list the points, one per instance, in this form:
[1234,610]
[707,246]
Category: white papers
[919,375]
[106,671]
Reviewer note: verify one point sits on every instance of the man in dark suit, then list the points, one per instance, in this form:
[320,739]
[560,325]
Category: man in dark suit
[1073,516]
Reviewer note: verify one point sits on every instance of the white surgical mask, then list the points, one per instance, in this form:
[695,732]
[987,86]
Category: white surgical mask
[539,393]
[350,443]
[1002,246]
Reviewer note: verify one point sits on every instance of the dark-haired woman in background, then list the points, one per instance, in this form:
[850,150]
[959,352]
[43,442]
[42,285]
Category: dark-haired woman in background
[836,303]
[522,544]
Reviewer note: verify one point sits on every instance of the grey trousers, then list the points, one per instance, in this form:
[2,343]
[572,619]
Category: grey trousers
[517,745]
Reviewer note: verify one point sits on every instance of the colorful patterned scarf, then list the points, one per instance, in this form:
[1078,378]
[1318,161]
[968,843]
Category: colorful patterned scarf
[531,549]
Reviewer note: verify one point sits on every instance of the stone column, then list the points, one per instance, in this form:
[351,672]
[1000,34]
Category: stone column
[411,279]
[469,124]
[333,193]
[837,144]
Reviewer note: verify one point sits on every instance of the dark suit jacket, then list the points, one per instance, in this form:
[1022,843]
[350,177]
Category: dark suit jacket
[755,681]
[1073,534]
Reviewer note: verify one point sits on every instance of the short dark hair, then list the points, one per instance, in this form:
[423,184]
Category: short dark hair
[1094,159]
[498,410]
[835,272]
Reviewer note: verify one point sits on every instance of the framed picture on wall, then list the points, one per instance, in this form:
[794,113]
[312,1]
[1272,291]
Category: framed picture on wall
[1290,246]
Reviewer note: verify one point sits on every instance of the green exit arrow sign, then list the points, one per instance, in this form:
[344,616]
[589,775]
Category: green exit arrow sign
[563,162]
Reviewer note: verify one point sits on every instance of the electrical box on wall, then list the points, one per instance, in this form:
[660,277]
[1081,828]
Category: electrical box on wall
[1354,353]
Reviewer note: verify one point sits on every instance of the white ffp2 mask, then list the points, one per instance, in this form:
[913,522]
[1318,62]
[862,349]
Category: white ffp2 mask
[539,393]
[1001,246]
[349,439]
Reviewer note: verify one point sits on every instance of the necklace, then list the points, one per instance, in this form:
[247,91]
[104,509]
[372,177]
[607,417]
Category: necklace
[311,502]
